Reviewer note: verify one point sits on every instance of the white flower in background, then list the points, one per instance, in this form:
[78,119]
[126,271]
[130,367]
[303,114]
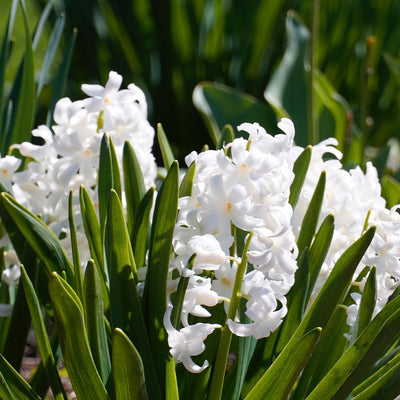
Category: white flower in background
[69,154]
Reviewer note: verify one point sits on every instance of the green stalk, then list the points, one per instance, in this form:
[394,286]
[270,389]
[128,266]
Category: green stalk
[218,374]
[312,111]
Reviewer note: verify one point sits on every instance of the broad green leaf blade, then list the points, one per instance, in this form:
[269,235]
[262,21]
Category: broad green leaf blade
[277,385]
[134,182]
[367,305]
[220,105]
[319,249]
[109,177]
[75,248]
[128,370]
[355,363]
[166,152]
[5,391]
[171,382]
[94,322]
[287,90]
[51,50]
[155,290]
[93,234]
[329,349]
[16,383]
[43,342]
[42,240]
[382,385]
[23,114]
[126,310]
[141,228]
[311,217]
[62,76]
[71,329]
[296,302]
[335,287]
[185,188]
[300,169]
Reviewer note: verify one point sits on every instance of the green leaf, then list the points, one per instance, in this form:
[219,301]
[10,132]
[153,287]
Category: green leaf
[227,136]
[71,329]
[126,310]
[287,90]
[185,188]
[328,350]
[62,76]
[356,362]
[128,370]
[220,105]
[277,385]
[155,290]
[15,382]
[382,385]
[166,152]
[43,342]
[51,50]
[5,391]
[24,109]
[335,287]
[42,240]
[94,238]
[140,230]
[296,302]
[367,305]
[75,248]
[319,249]
[311,217]
[109,176]
[300,169]
[134,183]
[94,322]
[390,191]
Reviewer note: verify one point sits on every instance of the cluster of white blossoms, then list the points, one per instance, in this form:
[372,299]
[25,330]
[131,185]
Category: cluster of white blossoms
[245,187]
[239,189]
[354,198]
[69,154]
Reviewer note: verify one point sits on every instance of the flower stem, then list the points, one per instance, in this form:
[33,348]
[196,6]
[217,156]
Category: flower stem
[218,374]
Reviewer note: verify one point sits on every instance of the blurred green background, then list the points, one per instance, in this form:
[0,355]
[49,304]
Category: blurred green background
[257,47]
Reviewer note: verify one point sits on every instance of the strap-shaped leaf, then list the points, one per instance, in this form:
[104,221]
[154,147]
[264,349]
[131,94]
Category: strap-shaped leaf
[75,248]
[126,310]
[185,189]
[311,217]
[128,370]
[355,363]
[319,249]
[42,240]
[155,291]
[134,182]
[276,385]
[296,302]
[94,238]
[94,322]
[12,382]
[166,152]
[227,136]
[300,169]
[71,329]
[141,228]
[329,349]
[109,176]
[336,285]
[43,342]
